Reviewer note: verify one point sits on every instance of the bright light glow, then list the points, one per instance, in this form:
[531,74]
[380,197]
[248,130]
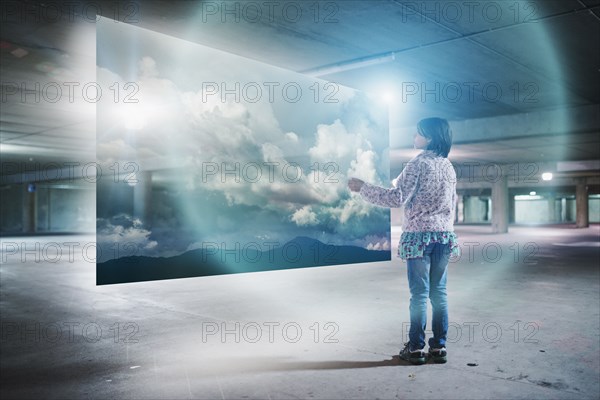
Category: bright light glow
[387,96]
[6,148]
[547,176]
[532,193]
[528,197]
[134,117]
[148,111]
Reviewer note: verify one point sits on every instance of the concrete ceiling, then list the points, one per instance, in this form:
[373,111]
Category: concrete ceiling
[543,55]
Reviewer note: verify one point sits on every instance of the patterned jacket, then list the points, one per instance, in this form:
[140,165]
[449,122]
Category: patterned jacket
[426,188]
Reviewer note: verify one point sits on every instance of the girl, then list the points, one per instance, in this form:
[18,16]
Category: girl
[427,190]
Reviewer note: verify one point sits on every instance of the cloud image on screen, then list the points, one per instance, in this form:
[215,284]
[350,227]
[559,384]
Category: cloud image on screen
[209,163]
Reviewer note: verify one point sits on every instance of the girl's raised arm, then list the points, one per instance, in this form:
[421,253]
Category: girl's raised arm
[406,185]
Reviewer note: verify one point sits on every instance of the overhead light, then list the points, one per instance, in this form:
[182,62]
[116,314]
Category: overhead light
[532,193]
[349,65]
[547,176]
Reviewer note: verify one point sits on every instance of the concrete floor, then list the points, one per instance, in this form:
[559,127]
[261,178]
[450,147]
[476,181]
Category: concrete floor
[529,320]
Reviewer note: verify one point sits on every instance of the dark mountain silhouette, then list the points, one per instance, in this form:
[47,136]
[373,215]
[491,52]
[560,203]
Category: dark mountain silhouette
[301,252]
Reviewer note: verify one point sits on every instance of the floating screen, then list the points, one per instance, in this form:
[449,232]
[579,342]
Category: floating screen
[210,163]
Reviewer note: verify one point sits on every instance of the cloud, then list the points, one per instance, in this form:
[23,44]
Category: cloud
[352,207]
[383,244]
[364,166]
[147,67]
[334,143]
[123,235]
[304,216]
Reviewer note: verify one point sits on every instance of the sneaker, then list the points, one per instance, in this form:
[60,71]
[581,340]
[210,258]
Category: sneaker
[416,357]
[438,356]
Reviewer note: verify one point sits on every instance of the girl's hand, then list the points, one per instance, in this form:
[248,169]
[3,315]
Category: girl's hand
[355,184]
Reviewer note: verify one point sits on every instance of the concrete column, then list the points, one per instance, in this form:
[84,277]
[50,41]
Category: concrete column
[582,219]
[551,209]
[460,209]
[29,208]
[511,209]
[500,205]
[467,206]
[142,198]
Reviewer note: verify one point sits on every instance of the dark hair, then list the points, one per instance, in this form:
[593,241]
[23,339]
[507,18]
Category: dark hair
[438,130]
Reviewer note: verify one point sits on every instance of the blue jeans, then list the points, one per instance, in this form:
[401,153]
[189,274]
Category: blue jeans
[427,279]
